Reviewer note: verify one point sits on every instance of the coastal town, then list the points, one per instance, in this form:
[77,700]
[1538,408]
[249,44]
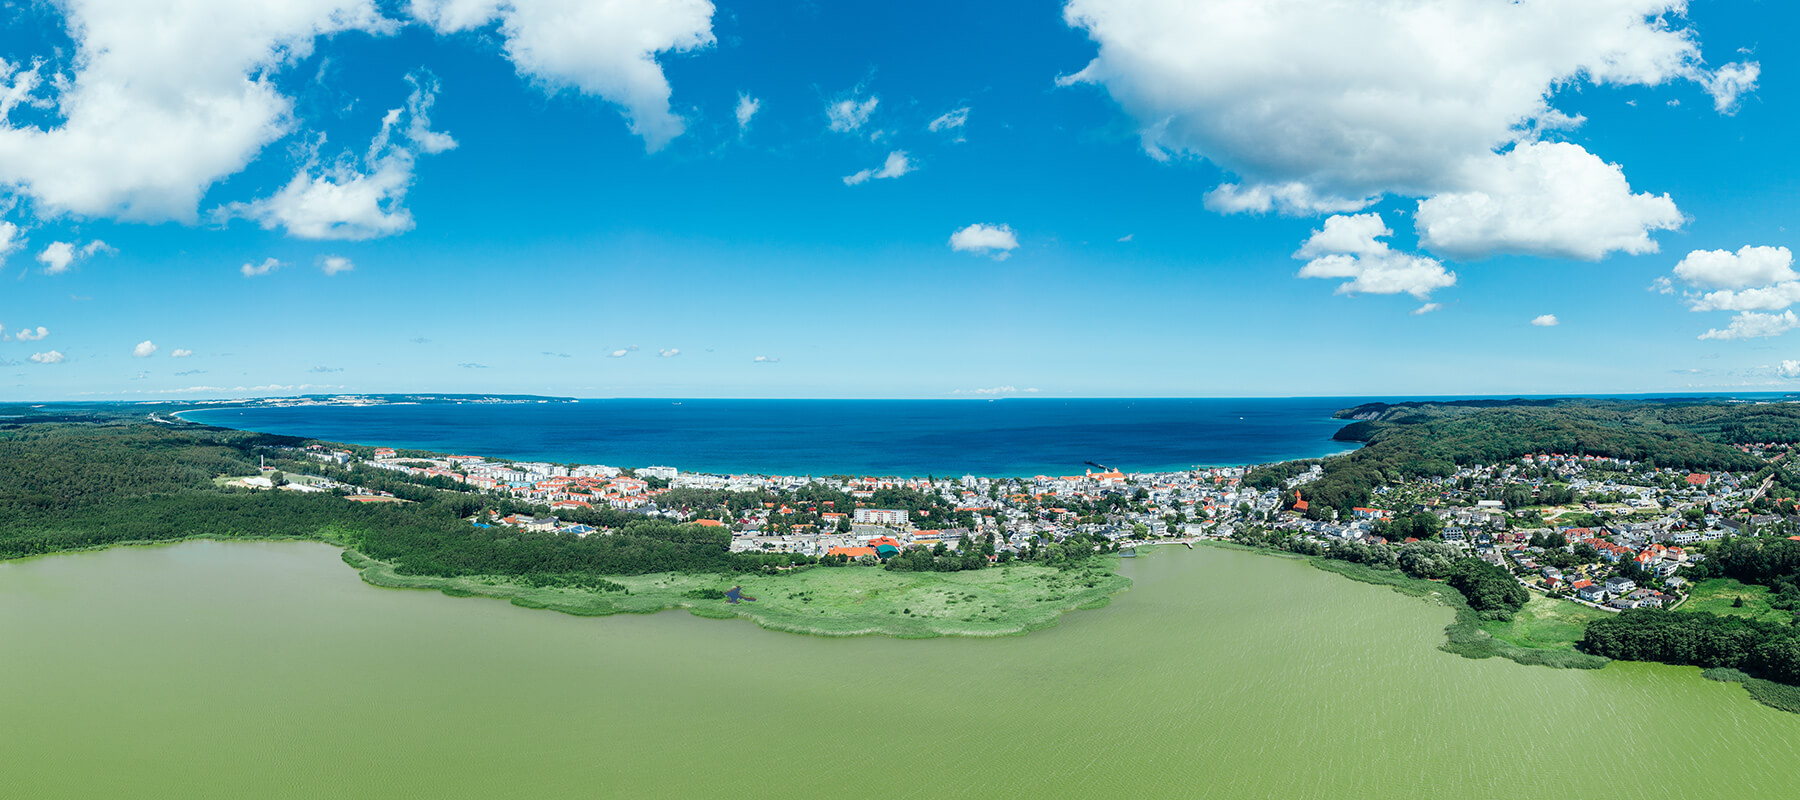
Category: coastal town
[1602,532]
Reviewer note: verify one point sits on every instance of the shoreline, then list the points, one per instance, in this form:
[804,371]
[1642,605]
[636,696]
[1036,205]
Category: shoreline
[1060,593]
[1465,636]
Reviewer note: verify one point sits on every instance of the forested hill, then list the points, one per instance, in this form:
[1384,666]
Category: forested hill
[1408,440]
[1712,419]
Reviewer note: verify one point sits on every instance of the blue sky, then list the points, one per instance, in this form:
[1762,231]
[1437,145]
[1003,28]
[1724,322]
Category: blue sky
[1040,209]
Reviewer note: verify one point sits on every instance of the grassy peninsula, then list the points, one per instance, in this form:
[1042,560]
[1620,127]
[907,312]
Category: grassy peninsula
[847,601]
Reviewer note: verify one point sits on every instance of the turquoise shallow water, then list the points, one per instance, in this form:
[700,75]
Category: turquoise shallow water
[1015,436]
[269,670]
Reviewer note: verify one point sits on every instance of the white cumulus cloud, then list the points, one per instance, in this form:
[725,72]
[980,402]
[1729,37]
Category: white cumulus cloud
[348,199]
[765,360]
[1754,279]
[162,99]
[144,349]
[333,265]
[850,114]
[997,241]
[1323,105]
[618,354]
[1291,197]
[1350,247]
[1789,369]
[669,352]
[604,48]
[180,353]
[1752,325]
[267,266]
[10,242]
[896,165]
[1749,266]
[1426,309]
[58,257]
[1728,83]
[47,357]
[32,334]
[951,120]
[1546,321]
[1766,298]
[747,107]
[1544,198]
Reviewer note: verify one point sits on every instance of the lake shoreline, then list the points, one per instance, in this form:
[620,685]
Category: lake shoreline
[1470,637]
[1040,595]
[1465,636]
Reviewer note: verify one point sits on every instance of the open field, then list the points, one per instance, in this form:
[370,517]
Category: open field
[1716,595]
[1544,624]
[823,601]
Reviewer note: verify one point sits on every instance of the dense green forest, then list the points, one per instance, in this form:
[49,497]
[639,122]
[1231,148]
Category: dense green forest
[1411,440]
[1490,590]
[1766,649]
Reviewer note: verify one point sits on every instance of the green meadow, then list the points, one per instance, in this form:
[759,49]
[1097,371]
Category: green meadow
[1719,595]
[821,601]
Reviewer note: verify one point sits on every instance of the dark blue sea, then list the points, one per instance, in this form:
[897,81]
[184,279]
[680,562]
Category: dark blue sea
[1014,436]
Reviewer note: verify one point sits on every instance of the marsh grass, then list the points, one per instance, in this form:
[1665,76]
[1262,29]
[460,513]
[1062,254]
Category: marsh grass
[841,601]
[1769,693]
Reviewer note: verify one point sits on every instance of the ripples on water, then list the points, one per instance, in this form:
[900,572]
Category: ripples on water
[269,670]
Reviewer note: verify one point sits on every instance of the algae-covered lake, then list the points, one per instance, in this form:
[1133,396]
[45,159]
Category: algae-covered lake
[209,669]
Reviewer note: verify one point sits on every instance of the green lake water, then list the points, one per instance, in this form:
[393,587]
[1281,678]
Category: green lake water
[261,670]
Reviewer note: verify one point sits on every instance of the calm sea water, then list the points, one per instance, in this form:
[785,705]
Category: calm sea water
[821,437]
[268,670]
